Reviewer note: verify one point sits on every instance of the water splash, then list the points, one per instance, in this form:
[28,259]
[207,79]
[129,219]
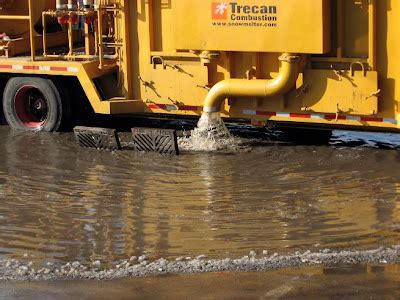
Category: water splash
[210,134]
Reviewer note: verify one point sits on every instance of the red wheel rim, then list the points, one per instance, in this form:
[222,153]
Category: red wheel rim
[31,107]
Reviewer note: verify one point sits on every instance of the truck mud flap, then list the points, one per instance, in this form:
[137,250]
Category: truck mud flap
[97,138]
[162,141]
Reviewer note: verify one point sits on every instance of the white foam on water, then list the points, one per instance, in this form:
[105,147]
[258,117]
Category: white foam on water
[210,134]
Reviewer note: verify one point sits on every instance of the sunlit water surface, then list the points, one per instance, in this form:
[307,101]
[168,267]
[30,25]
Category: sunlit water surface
[63,203]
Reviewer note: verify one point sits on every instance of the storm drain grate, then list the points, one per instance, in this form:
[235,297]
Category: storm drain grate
[162,141]
[98,138]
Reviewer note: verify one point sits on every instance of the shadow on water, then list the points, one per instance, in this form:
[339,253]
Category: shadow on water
[63,203]
[258,136]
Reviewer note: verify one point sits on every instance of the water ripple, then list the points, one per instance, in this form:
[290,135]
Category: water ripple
[64,203]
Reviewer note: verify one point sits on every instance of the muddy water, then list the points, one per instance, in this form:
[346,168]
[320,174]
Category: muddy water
[355,282]
[62,203]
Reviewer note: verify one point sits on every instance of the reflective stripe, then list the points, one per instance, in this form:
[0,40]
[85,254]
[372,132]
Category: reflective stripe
[328,117]
[40,68]
[251,112]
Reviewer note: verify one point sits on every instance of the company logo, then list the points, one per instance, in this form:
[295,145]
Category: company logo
[235,12]
[219,10]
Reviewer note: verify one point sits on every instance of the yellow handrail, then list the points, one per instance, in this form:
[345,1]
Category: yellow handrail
[5,17]
[32,30]
[31,26]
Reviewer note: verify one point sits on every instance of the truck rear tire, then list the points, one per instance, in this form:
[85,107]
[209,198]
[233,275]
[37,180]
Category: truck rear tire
[3,120]
[34,104]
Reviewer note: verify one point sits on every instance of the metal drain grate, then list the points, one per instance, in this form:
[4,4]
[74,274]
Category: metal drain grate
[98,138]
[155,140]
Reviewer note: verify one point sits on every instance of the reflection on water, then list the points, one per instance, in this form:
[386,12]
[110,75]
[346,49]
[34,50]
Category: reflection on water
[64,203]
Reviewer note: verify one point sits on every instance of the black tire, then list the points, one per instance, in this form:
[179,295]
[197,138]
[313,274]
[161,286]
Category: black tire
[2,118]
[307,136]
[35,104]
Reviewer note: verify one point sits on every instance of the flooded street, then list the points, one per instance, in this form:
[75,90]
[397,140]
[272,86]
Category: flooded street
[62,204]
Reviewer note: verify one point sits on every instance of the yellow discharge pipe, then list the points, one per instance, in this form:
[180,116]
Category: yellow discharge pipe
[283,83]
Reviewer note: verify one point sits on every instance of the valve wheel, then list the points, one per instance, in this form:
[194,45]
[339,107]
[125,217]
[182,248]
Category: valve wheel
[31,106]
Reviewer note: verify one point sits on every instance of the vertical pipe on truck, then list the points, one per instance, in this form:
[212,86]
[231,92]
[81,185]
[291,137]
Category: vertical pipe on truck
[87,38]
[372,35]
[32,30]
[128,26]
[100,37]
[70,39]
[96,38]
[151,25]
[340,22]
[44,35]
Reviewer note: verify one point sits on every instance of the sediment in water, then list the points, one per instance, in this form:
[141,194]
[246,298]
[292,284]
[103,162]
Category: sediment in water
[142,267]
[210,134]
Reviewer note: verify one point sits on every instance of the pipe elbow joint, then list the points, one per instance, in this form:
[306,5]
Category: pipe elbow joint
[281,85]
[218,93]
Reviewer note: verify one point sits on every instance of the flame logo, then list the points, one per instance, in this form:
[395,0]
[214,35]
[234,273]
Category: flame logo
[219,10]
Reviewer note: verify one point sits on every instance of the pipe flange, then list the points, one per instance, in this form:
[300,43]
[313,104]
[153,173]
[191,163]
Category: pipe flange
[208,56]
[289,58]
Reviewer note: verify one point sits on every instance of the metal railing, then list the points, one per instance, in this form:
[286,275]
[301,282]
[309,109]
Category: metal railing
[28,18]
[99,38]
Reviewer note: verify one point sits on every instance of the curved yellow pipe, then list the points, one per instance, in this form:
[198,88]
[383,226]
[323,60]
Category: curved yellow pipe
[282,84]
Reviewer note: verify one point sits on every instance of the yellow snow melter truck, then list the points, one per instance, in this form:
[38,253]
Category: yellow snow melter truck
[302,63]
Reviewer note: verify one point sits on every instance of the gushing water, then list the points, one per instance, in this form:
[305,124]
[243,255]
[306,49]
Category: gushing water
[210,134]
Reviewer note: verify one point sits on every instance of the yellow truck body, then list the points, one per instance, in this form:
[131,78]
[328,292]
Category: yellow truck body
[330,63]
